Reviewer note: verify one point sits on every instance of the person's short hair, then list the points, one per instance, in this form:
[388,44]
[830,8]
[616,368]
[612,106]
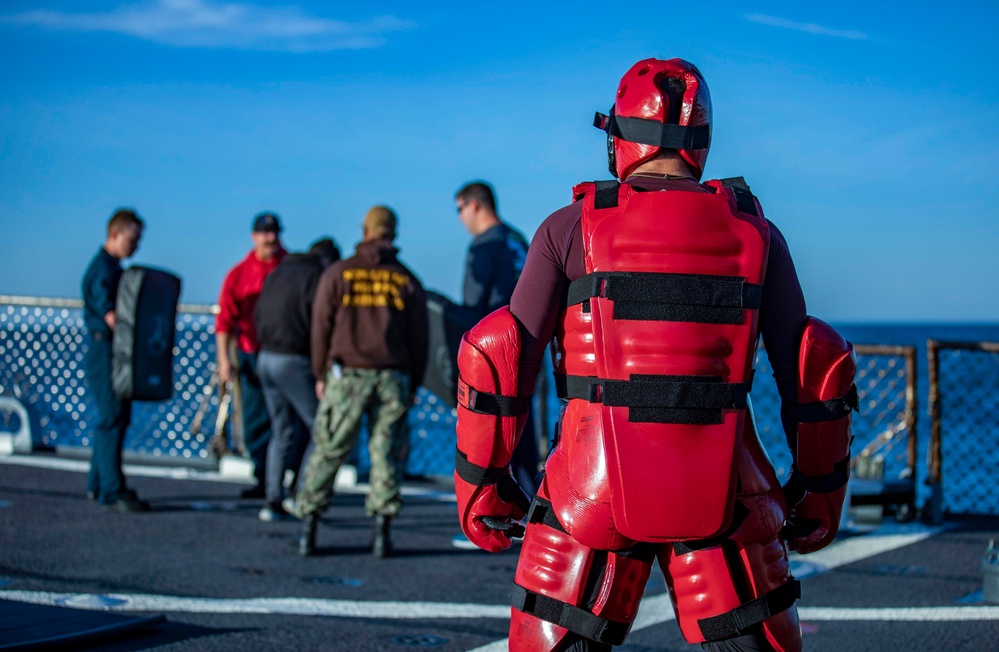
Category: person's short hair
[326,249]
[479,191]
[267,222]
[122,218]
[380,222]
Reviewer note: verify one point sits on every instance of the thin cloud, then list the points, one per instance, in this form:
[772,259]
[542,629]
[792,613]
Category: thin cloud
[810,28]
[213,24]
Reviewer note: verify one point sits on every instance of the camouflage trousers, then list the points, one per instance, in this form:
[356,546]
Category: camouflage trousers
[382,395]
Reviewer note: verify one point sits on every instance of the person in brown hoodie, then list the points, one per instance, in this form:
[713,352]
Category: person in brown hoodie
[369,350]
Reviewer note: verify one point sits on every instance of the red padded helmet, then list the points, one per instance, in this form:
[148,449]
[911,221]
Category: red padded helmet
[659,105]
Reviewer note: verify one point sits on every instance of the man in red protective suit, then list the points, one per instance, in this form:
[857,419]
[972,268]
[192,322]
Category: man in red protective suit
[653,292]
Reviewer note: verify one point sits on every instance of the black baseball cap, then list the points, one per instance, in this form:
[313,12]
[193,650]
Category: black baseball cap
[267,222]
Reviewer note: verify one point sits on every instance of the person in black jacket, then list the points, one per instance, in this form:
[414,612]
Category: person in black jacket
[283,316]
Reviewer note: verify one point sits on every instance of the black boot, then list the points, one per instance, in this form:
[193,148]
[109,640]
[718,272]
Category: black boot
[381,547]
[307,537]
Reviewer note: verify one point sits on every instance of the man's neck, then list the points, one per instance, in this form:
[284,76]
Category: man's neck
[487,222]
[662,167]
[110,251]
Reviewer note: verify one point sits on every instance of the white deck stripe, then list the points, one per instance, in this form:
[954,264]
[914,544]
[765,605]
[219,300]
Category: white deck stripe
[187,473]
[908,614]
[287,606]
[653,610]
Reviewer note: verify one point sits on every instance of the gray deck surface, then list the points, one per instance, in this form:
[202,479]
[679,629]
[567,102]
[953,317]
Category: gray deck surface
[204,560]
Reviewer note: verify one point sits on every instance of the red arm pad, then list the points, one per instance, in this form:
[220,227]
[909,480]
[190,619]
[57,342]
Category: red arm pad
[826,396]
[490,419]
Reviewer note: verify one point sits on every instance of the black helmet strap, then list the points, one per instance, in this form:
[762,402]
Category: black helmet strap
[651,132]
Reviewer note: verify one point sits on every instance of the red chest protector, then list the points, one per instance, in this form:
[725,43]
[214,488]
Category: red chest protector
[655,352]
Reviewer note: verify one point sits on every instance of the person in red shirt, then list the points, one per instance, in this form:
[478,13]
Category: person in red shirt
[240,291]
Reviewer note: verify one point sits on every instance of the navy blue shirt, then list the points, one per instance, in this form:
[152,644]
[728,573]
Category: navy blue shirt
[100,291]
[495,259]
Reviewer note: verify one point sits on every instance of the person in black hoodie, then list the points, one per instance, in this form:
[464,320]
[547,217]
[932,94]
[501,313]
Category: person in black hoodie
[283,317]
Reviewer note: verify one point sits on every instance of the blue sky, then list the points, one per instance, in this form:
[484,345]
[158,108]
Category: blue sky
[870,132]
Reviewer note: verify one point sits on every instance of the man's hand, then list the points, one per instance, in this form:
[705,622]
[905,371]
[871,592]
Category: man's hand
[225,369]
[111,319]
[320,389]
[222,357]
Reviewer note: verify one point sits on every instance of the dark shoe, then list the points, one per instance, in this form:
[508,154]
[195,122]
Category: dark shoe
[381,547]
[127,504]
[307,537]
[256,491]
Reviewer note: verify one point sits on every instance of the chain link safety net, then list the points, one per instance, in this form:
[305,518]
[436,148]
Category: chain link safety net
[967,414]
[41,365]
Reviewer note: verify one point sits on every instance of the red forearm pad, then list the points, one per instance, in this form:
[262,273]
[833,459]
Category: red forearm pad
[490,419]
[488,363]
[826,395]
[826,370]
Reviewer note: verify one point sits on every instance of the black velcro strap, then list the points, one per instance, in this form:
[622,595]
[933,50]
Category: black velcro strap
[744,199]
[541,512]
[605,195]
[641,551]
[660,399]
[494,404]
[575,619]
[824,484]
[737,621]
[652,296]
[830,410]
[475,474]
[653,132]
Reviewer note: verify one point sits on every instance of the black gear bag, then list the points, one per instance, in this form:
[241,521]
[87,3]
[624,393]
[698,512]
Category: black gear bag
[143,342]
[448,322]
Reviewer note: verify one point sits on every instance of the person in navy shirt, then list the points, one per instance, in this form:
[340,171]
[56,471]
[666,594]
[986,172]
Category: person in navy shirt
[106,482]
[496,257]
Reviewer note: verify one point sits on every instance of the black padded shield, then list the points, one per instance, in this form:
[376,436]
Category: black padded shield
[142,347]
[448,322]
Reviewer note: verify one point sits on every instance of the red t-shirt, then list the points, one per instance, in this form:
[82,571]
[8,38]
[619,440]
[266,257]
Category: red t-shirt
[238,298]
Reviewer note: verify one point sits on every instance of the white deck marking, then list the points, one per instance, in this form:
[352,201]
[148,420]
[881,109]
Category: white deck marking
[187,473]
[908,614]
[287,606]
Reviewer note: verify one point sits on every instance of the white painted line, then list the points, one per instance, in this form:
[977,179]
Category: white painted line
[907,614]
[653,610]
[848,551]
[186,473]
[286,606]
[83,466]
